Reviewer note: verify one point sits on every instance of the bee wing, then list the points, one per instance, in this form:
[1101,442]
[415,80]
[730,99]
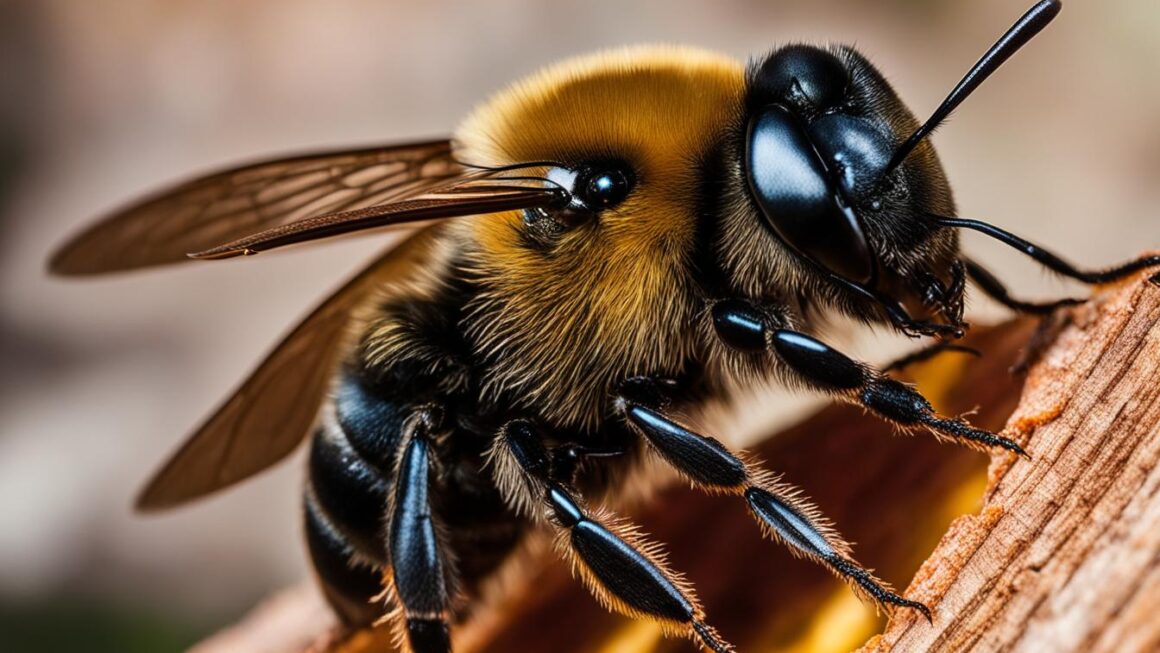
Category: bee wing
[205,212]
[274,409]
[466,196]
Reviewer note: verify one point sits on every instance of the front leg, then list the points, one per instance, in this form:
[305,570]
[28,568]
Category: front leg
[748,328]
[623,570]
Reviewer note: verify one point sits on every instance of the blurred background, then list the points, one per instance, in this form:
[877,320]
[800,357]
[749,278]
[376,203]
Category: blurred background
[103,100]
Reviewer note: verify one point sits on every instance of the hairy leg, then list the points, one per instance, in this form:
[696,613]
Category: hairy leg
[752,329]
[783,514]
[622,569]
[419,571]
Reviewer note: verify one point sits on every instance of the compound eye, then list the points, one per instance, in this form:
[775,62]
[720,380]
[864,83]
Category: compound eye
[799,200]
[809,71]
[602,188]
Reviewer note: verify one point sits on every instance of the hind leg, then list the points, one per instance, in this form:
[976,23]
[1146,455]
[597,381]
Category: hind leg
[370,526]
[419,569]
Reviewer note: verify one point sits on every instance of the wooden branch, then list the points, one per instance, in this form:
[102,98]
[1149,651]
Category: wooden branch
[1065,555]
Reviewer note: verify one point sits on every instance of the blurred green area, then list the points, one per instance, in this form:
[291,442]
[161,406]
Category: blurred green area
[72,625]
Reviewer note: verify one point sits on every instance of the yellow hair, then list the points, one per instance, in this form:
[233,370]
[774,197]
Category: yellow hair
[621,286]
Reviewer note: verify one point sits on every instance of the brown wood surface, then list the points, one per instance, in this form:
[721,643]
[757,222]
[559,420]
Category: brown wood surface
[1064,555]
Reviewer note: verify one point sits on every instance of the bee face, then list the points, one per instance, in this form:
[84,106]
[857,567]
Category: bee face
[821,128]
[810,169]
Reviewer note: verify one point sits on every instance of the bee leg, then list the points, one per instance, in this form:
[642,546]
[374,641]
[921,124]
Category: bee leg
[747,328]
[783,515]
[418,571]
[990,284]
[623,570]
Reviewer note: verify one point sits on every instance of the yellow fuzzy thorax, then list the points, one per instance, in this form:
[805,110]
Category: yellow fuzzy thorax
[620,288]
[656,100]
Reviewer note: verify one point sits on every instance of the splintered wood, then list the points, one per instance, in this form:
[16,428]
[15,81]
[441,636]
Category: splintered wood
[1065,555]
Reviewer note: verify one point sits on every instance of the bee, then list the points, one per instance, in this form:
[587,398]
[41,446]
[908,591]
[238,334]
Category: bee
[639,232]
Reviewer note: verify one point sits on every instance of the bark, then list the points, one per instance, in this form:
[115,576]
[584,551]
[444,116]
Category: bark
[1057,553]
[1065,555]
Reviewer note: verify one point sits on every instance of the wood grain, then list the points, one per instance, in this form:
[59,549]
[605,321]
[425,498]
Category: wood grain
[1065,555]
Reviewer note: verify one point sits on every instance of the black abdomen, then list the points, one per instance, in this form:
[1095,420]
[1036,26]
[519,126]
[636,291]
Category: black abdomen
[351,482]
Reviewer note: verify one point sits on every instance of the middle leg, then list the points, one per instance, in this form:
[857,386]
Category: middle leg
[783,514]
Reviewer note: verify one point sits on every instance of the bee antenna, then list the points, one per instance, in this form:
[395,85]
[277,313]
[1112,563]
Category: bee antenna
[1046,258]
[510,167]
[1020,33]
[544,180]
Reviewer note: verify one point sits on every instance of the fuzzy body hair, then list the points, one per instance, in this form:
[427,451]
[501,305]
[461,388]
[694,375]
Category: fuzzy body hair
[559,327]
[499,325]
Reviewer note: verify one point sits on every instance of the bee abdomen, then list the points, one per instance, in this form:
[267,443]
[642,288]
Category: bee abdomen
[349,586]
[352,478]
[347,495]
[371,424]
[350,468]
[351,492]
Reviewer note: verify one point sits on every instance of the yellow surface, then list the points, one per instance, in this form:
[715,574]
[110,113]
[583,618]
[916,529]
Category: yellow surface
[842,624]
[634,637]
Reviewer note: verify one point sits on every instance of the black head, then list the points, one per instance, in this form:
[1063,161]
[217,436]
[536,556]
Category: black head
[841,173]
[822,127]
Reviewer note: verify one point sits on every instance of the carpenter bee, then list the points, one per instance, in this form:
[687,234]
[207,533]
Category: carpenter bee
[651,228]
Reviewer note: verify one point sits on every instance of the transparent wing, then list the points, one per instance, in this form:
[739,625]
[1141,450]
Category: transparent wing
[275,408]
[222,207]
[465,196]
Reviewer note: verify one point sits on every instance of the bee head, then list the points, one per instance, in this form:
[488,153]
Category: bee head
[842,174]
[817,158]
[806,180]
